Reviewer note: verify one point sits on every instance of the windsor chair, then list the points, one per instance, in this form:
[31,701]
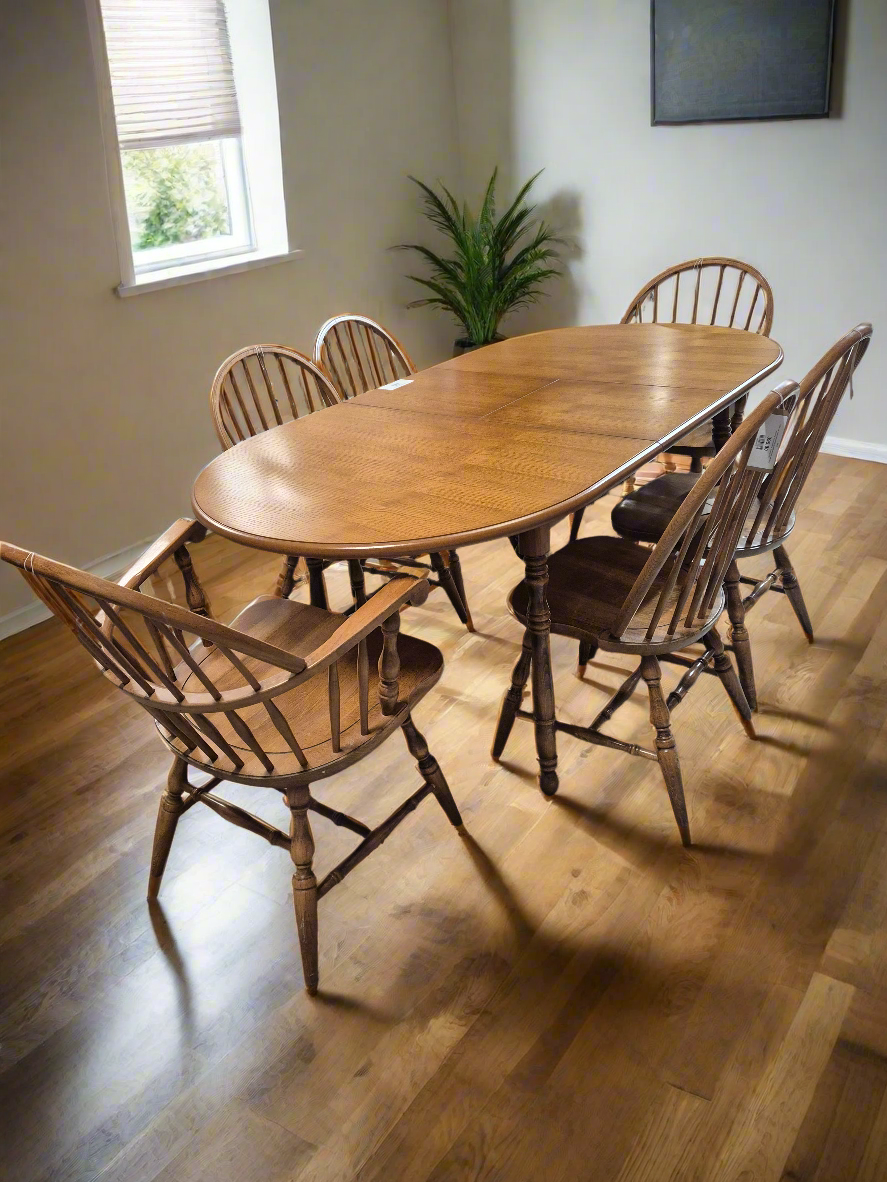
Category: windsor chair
[623,597]
[715,292]
[358,355]
[263,386]
[285,696]
[644,514]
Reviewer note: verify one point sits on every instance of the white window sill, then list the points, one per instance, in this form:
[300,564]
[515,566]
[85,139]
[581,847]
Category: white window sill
[206,269]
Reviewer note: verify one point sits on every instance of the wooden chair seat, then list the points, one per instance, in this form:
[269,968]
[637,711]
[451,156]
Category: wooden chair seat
[297,627]
[697,443]
[300,629]
[588,583]
[643,515]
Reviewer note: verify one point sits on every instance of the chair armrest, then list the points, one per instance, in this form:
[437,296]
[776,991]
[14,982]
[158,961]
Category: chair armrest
[182,531]
[380,607]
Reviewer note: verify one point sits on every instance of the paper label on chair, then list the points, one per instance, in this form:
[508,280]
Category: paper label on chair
[766,445]
[396,385]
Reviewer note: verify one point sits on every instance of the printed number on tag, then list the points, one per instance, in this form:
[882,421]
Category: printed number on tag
[396,385]
[767,441]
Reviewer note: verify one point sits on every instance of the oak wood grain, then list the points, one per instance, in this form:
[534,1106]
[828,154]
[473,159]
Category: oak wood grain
[489,476]
[568,976]
[358,355]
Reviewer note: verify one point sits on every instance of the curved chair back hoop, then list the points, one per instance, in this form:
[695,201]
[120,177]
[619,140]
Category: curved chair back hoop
[819,396]
[700,541]
[359,354]
[264,386]
[210,688]
[141,643]
[725,292]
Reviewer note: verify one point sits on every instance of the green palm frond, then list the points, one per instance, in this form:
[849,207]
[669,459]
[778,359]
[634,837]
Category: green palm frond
[497,264]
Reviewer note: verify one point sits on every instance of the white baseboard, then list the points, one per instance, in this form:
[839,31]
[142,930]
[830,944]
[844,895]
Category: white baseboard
[106,567]
[855,449]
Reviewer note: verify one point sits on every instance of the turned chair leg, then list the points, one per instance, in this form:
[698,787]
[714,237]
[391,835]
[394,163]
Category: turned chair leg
[440,566]
[171,808]
[429,769]
[666,751]
[696,463]
[668,462]
[456,572]
[304,883]
[513,696]
[792,589]
[575,523]
[587,650]
[724,669]
[286,580]
[739,635]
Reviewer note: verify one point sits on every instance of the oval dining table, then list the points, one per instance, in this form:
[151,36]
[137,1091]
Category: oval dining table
[504,441]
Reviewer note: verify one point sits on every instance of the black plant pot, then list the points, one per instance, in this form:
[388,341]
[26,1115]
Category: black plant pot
[466,346]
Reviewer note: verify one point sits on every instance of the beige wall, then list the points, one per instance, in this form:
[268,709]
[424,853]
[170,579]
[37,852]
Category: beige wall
[565,85]
[105,416]
[105,419]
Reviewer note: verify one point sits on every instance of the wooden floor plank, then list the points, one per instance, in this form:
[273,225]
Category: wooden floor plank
[768,1121]
[564,993]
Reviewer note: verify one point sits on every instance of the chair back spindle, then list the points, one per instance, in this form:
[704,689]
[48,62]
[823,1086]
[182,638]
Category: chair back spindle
[358,354]
[819,396]
[263,386]
[714,291]
[389,666]
[209,687]
[679,585]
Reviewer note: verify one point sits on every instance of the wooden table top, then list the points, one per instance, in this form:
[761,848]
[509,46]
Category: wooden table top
[493,443]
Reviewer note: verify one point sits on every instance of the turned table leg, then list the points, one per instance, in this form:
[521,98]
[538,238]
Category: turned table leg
[720,428]
[316,585]
[534,548]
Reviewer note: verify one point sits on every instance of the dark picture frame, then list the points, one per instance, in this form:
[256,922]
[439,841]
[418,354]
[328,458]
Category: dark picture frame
[714,61]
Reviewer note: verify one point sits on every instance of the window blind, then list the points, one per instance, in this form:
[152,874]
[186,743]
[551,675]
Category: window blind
[171,71]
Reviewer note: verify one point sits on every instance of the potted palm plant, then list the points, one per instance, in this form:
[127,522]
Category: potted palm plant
[496,266]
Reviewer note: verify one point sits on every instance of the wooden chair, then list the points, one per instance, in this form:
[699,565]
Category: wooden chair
[263,386]
[285,696]
[623,597]
[725,292]
[358,354]
[644,514]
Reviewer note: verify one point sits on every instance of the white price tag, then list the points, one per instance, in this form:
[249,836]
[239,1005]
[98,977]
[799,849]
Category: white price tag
[767,441]
[396,385]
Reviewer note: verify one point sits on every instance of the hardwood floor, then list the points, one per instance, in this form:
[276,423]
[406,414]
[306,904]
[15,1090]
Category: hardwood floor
[564,993]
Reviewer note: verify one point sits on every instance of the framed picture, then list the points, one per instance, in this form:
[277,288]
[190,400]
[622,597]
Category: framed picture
[714,60]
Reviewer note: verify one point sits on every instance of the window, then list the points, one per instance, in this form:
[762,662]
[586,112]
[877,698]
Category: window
[196,178]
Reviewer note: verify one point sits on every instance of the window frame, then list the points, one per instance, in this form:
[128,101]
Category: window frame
[260,164]
[241,240]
